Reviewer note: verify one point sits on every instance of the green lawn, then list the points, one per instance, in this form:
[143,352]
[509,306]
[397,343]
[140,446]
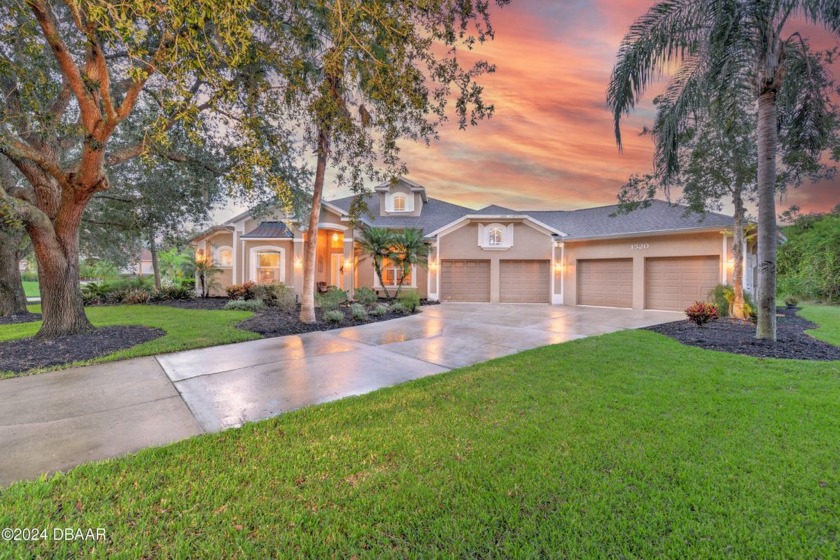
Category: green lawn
[31,289]
[185,328]
[828,318]
[624,445]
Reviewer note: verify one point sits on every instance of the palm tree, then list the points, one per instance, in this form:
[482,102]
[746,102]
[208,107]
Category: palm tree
[726,46]
[410,249]
[378,245]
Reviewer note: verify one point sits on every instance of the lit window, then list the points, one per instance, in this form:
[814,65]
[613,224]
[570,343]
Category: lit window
[391,274]
[399,203]
[268,268]
[225,256]
[494,237]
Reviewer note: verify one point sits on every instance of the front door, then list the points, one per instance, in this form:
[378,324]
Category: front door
[335,269]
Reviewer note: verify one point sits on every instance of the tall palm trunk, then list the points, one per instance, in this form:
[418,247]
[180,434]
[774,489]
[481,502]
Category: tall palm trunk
[310,245]
[56,247]
[767,140]
[738,257]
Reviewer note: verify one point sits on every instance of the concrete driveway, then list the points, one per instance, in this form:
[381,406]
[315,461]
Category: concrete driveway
[57,420]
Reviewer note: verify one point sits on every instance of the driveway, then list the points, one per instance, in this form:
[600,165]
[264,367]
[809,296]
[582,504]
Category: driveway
[57,420]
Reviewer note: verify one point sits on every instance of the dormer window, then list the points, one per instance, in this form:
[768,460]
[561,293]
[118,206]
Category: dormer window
[399,203]
[495,237]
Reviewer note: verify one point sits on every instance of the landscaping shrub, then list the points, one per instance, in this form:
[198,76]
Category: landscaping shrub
[410,300]
[723,295]
[751,312]
[379,310]
[809,261]
[398,307]
[701,313]
[333,316]
[136,296]
[245,305]
[791,301]
[28,276]
[366,296]
[331,300]
[277,295]
[358,312]
[245,291]
[173,292]
[93,293]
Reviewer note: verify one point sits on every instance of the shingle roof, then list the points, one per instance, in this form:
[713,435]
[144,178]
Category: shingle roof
[495,209]
[599,222]
[269,230]
[435,214]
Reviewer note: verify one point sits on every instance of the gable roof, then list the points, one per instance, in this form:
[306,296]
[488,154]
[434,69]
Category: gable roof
[435,214]
[269,230]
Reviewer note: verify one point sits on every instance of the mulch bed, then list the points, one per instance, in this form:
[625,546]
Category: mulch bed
[273,322]
[29,353]
[738,337]
[22,318]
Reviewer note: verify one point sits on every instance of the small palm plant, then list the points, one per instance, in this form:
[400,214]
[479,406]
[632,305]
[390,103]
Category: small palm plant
[409,249]
[206,272]
[376,244]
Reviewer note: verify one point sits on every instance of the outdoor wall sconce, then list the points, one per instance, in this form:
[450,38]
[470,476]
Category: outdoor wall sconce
[432,265]
[298,263]
[730,264]
[335,238]
[347,264]
[558,266]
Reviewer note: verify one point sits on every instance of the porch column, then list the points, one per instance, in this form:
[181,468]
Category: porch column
[348,264]
[297,265]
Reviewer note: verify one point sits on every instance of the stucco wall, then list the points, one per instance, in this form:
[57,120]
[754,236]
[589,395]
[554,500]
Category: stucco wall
[639,248]
[405,189]
[528,244]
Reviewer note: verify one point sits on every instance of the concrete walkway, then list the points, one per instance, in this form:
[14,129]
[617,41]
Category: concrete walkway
[54,421]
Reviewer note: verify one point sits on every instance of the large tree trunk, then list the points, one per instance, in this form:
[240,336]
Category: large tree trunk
[12,296]
[56,247]
[310,245]
[738,257]
[767,140]
[155,265]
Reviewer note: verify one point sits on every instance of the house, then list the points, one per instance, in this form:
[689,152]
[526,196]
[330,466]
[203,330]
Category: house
[655,258]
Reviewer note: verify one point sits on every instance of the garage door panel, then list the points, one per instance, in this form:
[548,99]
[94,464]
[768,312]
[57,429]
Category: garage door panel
[465,280]
[605,282]
[524,281]
[674,283]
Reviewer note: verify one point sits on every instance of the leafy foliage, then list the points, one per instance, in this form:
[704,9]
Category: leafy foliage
[358,312]
[333,316]
[245,305]
[244,291]
[410,299]
[379,310]
[365,296]
[701,313]
[332,299]
[809,262]
[277,295]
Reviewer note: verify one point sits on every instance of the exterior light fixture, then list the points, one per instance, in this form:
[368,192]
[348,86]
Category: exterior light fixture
[558,266]
[298,263]
[335,238]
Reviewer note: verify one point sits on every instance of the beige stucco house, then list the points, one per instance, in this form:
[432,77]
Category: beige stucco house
[654,258]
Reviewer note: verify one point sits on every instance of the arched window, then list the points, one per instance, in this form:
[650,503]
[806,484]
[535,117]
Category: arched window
[495,236]
[399,203]
[268,265]
[224,256]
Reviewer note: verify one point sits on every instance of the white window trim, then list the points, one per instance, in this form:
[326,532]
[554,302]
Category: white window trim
[253,251]
[484,237]
[217,256]
[377,284]
[408,205]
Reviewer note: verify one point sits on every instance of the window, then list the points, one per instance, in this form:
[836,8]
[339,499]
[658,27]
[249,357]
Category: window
[268,267]
[224,256]
[391,274]
[495,237]
[399,203]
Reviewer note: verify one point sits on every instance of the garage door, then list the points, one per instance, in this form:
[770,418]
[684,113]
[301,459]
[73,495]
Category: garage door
[675,283]
[605,282]
[465,281]
[524,282]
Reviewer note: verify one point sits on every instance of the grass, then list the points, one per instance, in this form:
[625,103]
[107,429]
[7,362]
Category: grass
[828,318]
[185,329]
[623,445]
[31,289]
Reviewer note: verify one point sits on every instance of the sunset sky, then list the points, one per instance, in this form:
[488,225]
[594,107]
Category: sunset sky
[550,143]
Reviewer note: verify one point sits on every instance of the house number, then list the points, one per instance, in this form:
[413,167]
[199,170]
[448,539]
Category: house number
[638,246]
